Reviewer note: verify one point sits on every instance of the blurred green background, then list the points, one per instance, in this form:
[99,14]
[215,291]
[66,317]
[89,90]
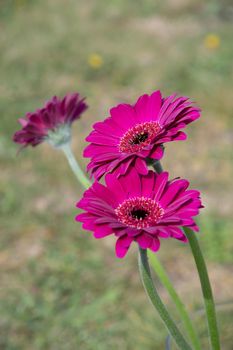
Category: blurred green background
[60,288]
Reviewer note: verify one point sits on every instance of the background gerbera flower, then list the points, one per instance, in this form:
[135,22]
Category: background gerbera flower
[52,122]
[133,133]
[140,208]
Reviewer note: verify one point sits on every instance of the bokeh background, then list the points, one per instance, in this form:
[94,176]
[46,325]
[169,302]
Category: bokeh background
[60,288]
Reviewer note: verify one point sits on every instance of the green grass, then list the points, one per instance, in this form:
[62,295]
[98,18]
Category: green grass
[60,288]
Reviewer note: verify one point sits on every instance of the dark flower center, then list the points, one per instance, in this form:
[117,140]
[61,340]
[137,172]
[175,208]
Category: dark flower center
[139,212]
[138,137]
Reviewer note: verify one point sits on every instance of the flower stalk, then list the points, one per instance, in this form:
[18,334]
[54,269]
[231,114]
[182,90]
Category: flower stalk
[164,278]
[206,289]
[204,280]
[74,165]
[157,302]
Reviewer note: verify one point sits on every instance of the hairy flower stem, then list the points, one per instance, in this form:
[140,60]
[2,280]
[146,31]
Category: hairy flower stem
[206,289]
[75,166]
[157,302]
[164,278]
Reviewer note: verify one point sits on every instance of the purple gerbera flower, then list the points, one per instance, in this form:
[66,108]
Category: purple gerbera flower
[133,134]
[52,122]
[140,208]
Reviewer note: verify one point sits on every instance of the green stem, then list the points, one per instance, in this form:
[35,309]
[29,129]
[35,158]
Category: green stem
[157,302]
[204,279]
[164,278]
[206,288]
[75,166]
[157,166]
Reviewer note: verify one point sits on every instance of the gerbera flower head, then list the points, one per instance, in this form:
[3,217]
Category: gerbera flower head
[51,123]
[134,133]
[140,208]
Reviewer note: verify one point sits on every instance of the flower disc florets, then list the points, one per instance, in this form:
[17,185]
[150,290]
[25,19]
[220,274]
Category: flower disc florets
[139,212]
[138,137]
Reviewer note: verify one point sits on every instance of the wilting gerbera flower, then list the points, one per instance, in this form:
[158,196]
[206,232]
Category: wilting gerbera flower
[51,123]
[133,134]
[140,208]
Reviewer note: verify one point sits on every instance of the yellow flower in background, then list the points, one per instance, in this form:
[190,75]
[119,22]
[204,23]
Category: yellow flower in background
[95,61]
[212,41]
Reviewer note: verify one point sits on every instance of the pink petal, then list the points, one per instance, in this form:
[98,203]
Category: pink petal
[123,115]
[131,183]
[102,231]
[148,183]
[154,105]
[161,182]
[140,108]
[155,245]
[157,153]
[144,240]
[140,166]
[122,246]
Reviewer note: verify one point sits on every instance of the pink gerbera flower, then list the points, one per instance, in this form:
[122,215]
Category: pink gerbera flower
[140,208]
[51,123]
[133,134]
